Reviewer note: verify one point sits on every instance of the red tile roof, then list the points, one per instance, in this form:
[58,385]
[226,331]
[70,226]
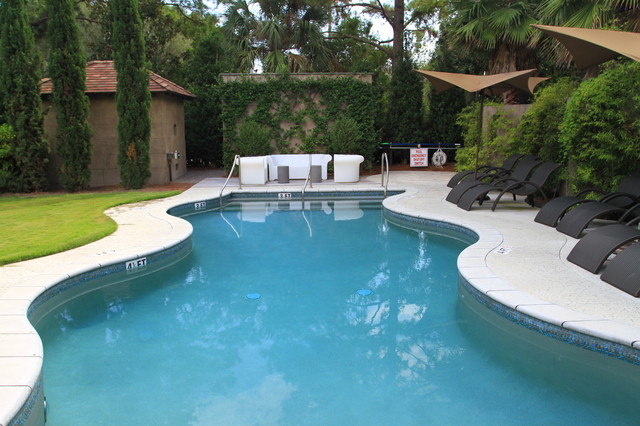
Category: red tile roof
[101,78]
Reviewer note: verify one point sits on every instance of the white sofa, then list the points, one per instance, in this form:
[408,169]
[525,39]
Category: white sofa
[298,164]
[253,170]
[346,168]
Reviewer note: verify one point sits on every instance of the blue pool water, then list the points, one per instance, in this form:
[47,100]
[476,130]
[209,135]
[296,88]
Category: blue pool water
[329,316]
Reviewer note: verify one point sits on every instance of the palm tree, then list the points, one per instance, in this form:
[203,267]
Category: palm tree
[281,34]
[501,27]
[614,14]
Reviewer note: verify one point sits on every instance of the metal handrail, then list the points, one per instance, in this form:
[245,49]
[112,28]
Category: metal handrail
[384,160]
[305,219]
[229,223]
[307,180]
[236,160]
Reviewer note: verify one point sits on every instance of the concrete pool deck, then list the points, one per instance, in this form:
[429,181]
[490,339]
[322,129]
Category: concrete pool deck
[516,262]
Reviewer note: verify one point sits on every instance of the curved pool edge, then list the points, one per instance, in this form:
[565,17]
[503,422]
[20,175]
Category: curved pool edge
[31,285]
[604,336]
[23,391]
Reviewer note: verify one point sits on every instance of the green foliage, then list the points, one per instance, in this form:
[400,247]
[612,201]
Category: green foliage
[210,56]
[283,35]
[203,128]
[501,27]
[496,133]
[296,102]
[67,72]
[601,130]
[538,131]
[169,30]
[443,108]
[7,141]
[133,99]
[352,55]
[19,83]
[253,139]
[345,137]
[405,114]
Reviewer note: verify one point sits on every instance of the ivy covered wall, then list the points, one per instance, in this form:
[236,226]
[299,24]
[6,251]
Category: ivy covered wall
[296,114]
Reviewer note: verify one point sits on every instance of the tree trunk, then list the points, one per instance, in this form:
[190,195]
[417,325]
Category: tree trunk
[398,33]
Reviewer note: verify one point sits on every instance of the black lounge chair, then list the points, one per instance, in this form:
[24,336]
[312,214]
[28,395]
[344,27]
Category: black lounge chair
[577,219]
[527,188]
[508,164]
[519,173]
[623,271]
[555,209]
[594,248]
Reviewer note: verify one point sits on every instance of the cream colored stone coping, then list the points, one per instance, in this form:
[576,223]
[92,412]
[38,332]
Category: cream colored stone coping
[516,262]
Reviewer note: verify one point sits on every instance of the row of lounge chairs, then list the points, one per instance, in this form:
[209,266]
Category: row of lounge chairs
[615,245]
[572,215]
[519,176]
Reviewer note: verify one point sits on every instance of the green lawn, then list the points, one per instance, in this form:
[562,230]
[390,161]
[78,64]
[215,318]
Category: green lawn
[35,226]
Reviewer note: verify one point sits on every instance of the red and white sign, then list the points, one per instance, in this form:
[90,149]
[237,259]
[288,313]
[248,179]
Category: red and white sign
[419,157]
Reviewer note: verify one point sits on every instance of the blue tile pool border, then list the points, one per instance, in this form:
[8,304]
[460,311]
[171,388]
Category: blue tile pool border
[440,227]
[153,262]
[585,341]
[582,340]
[214,203]
[23,416]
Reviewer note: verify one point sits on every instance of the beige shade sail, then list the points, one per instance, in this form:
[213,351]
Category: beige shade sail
[494,84]
[590,47]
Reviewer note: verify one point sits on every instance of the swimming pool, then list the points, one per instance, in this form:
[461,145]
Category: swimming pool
[264,323]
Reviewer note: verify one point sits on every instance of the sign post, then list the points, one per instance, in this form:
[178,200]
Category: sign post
[419,157]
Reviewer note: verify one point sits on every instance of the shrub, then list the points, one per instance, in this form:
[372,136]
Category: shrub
[345,137]
[7,139]
[496,133]
[253,139]
[600,134]
[538,131]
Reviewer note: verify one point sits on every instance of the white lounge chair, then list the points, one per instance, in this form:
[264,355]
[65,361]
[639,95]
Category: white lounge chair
[346,168]
[253,170]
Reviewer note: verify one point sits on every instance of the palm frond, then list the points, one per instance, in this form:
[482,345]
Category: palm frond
[272,33]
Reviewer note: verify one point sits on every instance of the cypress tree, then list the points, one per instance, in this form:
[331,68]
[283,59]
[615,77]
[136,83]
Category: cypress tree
[19,82]
[405,115]
[133,99]
[67,72]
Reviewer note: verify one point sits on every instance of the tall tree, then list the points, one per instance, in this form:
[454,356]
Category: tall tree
[169,28]
[67,71]
[281,34]
[443,108]
[209,57]
[419,15]
[133,99]
[351,55]
[405,117]
[501,28]
[21,94]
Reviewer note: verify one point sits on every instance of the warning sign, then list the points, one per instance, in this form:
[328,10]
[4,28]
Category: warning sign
[419,157]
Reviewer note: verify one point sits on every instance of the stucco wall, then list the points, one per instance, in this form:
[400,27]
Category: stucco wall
[167,135]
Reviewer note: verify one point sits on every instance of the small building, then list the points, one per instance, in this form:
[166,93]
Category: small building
[167,127]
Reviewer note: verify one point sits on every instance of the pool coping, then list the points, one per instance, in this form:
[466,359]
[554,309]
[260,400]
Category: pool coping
[146,229]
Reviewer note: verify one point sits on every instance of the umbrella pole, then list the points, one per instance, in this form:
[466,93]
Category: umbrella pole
[479,141]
